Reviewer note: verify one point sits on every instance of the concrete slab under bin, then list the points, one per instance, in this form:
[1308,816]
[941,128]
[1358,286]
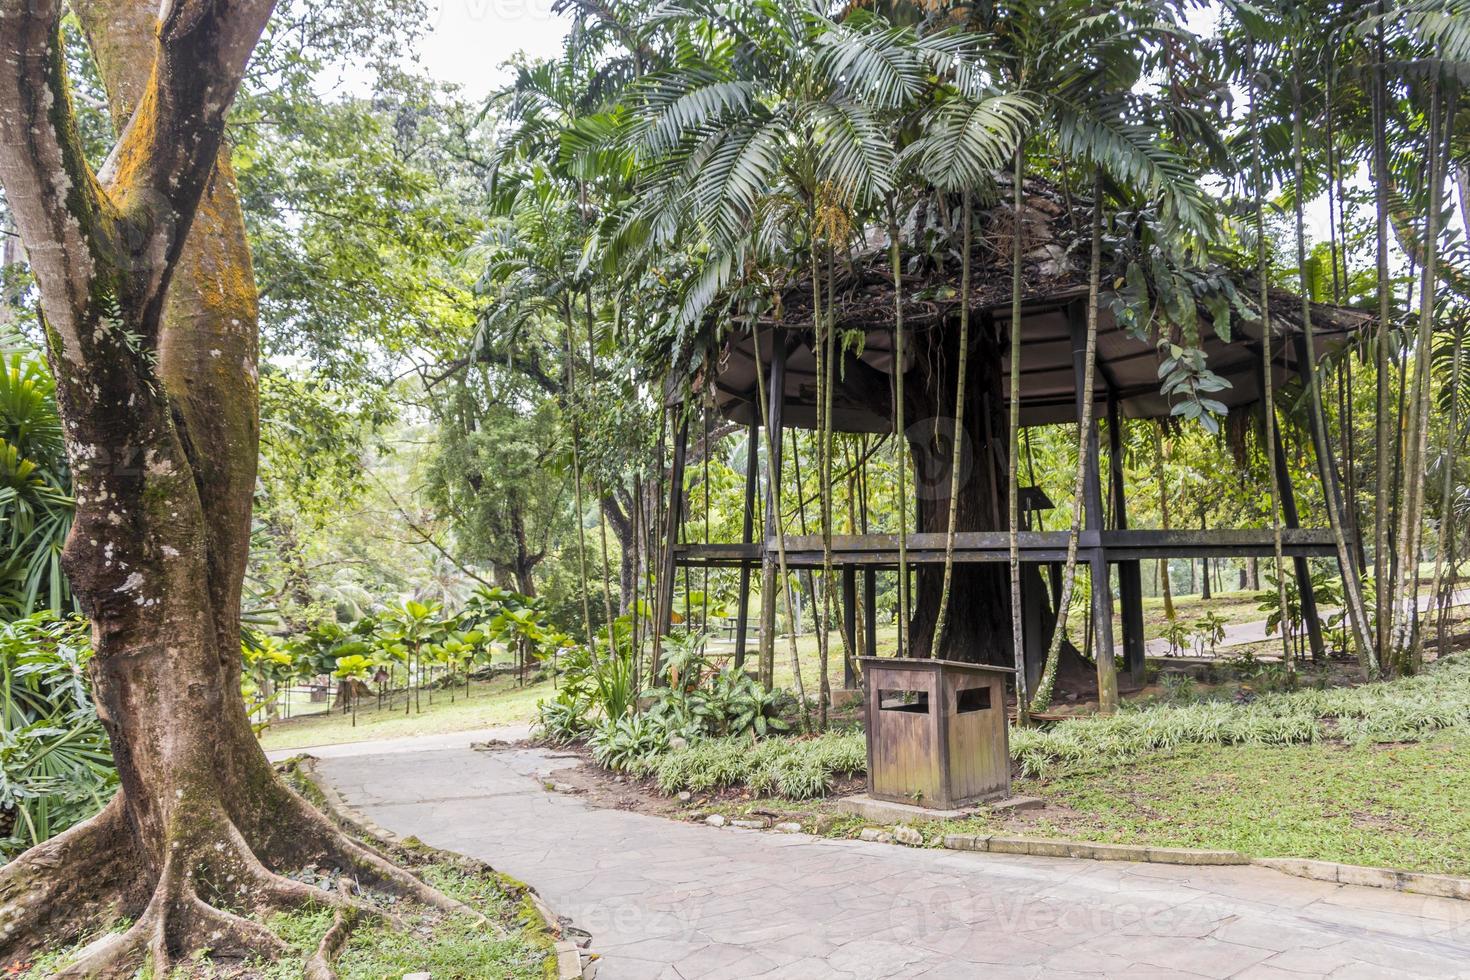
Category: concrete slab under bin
[886,812]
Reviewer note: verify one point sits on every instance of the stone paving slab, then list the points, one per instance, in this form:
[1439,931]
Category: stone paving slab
[674,901]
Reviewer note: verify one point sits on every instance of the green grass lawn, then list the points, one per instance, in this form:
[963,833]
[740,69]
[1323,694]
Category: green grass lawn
[1233,607]
[1392,806]
[491,703]
[1388,806]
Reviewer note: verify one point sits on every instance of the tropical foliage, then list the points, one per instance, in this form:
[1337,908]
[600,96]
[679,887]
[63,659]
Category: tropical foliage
[55,764]
[35,509]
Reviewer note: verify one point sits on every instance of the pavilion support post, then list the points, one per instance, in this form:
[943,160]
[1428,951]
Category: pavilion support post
[674,520]
[1290,518]
[747,536]
[849,623]
[870,616]
[1130,573]
[769,557]
[1097,559]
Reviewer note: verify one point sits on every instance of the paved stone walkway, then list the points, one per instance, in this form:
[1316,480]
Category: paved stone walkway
[406,743]
[680,901]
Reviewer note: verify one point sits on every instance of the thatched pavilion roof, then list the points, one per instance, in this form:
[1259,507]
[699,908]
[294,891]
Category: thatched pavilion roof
[1055,287]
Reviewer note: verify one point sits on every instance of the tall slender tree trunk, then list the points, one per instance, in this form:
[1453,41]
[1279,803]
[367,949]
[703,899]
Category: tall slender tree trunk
[1107,685]
[1013,454]
[957,455]
[1164,583]
[1351,584]
[823,324]
[572,410]
[760,381]
[899,429]
[1383,486]
[1204,563]
[1268,395]
[1411,518]
[607,600]
[9,266]
[1447,489]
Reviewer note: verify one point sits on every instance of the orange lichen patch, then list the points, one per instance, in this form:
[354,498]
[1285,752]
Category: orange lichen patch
[134,152]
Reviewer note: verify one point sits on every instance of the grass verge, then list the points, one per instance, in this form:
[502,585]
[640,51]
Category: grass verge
[1381,805]
[491,704]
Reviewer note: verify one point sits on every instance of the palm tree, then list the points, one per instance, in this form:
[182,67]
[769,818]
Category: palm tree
[1077,69]
[772,114]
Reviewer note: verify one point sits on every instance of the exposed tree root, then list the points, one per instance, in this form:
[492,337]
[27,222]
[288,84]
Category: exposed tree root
[342,848]
[213,892]
[319,967]
[58,890]
[176,924]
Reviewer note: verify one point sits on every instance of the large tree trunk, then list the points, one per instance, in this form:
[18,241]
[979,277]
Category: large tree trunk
[9,260]
[152,336]
[979,624]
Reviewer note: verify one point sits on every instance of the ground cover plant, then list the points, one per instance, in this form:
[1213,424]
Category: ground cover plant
[794,768]
[1405,710]
[297,340]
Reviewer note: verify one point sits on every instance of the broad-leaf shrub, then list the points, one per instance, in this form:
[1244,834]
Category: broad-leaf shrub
[696,701]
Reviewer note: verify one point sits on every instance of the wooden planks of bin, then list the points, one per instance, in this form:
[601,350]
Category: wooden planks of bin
[937,731]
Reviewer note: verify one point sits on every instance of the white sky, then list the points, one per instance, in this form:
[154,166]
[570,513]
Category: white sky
[470,40]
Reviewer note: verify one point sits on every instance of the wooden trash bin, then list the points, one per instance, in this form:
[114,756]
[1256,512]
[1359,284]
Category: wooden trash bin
[937,731]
